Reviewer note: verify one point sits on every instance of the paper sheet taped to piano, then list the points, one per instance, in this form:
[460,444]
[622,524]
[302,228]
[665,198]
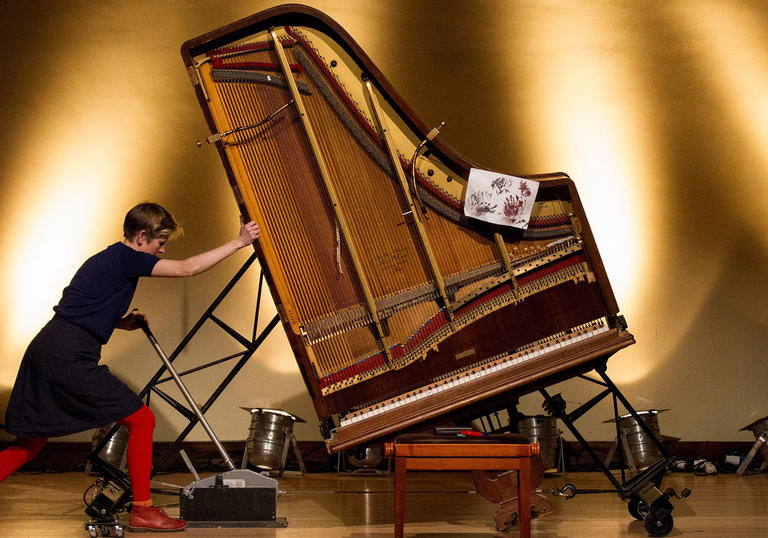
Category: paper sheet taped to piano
[400,310]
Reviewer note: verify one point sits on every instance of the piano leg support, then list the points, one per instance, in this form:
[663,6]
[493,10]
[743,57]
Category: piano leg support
[642,491]
[501,488]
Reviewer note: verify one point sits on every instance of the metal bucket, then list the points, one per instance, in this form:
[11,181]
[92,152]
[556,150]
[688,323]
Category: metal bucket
[644,452]
[268,436]
[114,450]
[542,429]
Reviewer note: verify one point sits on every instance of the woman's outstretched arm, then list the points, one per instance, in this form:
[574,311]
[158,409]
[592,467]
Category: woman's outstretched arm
[199,263]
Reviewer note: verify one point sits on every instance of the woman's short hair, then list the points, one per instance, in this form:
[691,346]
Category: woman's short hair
[153,218]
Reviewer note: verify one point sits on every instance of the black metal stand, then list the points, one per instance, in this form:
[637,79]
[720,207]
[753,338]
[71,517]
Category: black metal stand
[642,492]
[109,473]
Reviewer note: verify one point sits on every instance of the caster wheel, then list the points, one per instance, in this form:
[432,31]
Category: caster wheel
[105,531]
[637,508]
[117,530]
[91,530]
[658,526]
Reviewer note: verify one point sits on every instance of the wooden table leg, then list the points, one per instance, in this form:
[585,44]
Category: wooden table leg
[524,497]
[400,473]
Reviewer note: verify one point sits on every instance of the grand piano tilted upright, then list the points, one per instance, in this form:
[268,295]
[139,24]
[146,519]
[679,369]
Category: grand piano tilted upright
[400,310]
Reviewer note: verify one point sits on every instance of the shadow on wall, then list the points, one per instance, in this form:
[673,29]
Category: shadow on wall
[726,365]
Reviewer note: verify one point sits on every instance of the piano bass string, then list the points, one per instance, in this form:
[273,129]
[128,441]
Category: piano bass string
[389,294]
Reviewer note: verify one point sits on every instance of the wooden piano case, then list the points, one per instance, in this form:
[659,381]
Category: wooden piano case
[400,310]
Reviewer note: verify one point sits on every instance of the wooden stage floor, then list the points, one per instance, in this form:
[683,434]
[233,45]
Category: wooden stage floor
[439,505]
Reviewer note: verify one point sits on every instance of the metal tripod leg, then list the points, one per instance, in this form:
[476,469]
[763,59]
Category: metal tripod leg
[752,453]
[622,438]
[297,453]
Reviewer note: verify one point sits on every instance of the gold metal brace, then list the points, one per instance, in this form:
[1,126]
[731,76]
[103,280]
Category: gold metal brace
[331,191]
[505,258]
[381,122]
[576,225]
[196,78]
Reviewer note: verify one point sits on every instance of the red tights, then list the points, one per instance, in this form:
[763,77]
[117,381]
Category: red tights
[140,427]
[19,453]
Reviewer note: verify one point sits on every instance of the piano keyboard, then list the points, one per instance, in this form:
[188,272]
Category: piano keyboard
[480,370]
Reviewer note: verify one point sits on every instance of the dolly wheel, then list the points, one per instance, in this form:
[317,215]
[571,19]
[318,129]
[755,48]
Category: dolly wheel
[91,530]
[658,525]
[637,508]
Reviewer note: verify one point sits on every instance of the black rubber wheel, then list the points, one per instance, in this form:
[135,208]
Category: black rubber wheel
[658,526]
[637,508]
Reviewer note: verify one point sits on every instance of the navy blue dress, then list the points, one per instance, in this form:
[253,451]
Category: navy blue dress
[61,388]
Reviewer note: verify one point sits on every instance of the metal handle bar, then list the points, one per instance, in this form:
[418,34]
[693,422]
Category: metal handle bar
[187,395]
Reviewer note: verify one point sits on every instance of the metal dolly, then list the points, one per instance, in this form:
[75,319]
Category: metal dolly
[642,492]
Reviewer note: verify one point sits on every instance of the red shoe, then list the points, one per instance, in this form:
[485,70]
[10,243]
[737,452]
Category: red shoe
[151,518]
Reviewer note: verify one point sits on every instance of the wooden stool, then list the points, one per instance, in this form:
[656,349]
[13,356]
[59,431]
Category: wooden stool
[446,453]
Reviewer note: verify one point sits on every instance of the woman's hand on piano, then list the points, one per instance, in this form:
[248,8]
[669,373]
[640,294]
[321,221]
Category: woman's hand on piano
[249,232]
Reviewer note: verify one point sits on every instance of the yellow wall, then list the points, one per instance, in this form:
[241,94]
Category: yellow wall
[656,109]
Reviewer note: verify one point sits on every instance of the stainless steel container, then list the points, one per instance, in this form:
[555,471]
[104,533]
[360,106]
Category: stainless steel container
[114,451]
[268,438]
[644,452]
[542,429]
